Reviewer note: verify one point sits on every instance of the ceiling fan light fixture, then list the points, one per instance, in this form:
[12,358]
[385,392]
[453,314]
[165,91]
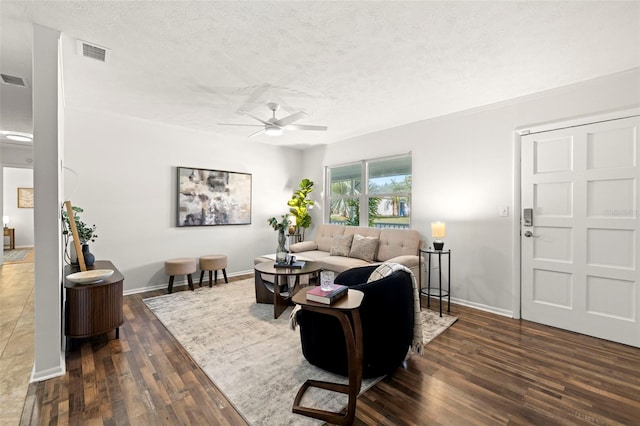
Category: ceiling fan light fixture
[18,137]
[273,131]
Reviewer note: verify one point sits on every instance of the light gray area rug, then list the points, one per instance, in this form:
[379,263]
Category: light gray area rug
[254,360]
[15,255]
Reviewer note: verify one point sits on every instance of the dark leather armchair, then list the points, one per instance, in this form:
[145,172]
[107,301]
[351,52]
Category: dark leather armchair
[387,315]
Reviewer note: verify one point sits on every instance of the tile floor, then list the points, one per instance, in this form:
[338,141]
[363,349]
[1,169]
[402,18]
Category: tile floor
[16,338]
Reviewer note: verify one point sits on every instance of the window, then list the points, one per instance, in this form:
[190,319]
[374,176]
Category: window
[385,200]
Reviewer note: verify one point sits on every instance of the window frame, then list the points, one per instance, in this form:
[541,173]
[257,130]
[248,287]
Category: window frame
[364,195]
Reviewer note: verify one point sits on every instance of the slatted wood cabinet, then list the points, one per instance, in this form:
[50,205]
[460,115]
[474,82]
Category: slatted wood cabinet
[92,309]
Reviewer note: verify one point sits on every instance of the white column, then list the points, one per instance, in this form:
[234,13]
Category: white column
[49,357]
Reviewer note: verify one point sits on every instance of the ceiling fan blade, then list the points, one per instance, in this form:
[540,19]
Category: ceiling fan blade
[290,119]
[256,133]
[305,127]
[259,119]
[238,124]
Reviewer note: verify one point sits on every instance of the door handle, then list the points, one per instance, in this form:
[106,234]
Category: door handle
[529,234]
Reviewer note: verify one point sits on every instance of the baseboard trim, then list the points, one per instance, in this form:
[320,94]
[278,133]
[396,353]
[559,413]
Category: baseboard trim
[50,373]
[474,305]
[486,308]
[181,283]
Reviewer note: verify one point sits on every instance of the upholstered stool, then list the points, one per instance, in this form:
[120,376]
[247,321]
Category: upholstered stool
[181,266]
[211,263]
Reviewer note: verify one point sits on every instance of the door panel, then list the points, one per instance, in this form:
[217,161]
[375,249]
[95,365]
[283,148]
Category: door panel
[580,256]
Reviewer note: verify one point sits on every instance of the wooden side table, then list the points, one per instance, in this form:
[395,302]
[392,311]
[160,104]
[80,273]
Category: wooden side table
[11,233]
[346,310]
[294,238]
[93,309]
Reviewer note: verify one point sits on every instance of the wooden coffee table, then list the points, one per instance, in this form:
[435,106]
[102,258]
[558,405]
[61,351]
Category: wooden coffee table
[267,292]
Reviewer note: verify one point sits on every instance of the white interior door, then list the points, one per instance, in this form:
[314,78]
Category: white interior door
[580,254]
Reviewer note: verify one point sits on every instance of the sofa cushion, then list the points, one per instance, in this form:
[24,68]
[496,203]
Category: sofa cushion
[339,264]
[303,246]
[312,255]
[398,242]
[362,230]
[341,245]
[364,247]
[324,236]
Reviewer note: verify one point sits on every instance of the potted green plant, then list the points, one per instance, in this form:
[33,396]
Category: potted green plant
[300,204]
[86,233]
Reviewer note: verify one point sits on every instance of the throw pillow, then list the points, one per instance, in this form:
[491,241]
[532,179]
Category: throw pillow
[364,247]
[341,245]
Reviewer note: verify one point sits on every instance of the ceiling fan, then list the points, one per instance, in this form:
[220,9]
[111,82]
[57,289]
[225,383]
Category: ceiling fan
[274,126]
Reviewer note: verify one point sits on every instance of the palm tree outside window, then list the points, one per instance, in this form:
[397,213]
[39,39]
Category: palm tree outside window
[385,201]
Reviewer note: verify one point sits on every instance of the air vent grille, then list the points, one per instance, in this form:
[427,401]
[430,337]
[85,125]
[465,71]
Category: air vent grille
[93,52]
[90,50]
[13,80]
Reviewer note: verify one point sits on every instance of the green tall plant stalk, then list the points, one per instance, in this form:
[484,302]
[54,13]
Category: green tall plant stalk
[299,204]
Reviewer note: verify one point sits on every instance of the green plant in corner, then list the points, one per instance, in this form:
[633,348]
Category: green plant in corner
[86,233]
[299,205]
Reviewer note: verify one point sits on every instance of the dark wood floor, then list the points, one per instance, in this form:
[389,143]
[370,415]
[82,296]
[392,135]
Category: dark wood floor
[484,370]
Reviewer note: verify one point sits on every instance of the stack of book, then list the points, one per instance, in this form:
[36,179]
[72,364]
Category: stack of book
[293,265]
[327,297]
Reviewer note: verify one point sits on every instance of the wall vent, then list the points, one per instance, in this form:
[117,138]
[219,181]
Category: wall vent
[13,80]
[90,50]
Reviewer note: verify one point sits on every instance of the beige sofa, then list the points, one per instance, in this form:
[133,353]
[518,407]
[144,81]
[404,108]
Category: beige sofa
[338,247]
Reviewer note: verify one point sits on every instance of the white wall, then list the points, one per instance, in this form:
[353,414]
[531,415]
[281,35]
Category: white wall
[13,156]
[19,218]
[127,182]
[464,172]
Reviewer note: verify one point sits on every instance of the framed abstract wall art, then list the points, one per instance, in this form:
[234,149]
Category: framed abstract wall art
[25,198]
[213,197]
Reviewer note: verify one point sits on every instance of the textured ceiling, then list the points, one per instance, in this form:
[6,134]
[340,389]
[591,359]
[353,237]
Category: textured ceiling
[356,67]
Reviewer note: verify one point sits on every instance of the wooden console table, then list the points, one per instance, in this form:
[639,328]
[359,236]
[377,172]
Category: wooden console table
[346,310]
[11,233]
[93,309]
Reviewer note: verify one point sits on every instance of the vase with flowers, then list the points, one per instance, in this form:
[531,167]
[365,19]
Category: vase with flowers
[281,250]
[86,233]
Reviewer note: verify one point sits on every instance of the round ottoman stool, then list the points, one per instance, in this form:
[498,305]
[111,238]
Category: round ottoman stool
[181,266]
[211,263]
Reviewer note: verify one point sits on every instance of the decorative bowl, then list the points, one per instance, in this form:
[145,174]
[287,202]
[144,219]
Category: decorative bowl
[92,276]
